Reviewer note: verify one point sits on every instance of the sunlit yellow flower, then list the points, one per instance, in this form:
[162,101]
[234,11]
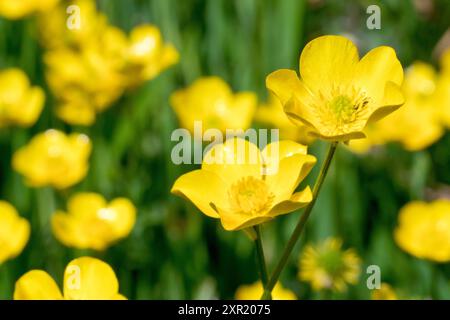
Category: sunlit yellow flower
[53,158]
[147,55]
[14,232]
[20,104]
[338,94]
[327,266]
[386,292]
[424,230]
[92,223]
[272,114]
[234,184]
[84,279]
[418,123]
[254,292]
[16,9]
[211,101]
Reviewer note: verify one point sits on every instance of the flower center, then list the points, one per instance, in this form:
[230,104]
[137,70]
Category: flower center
[342,107]
[250,196]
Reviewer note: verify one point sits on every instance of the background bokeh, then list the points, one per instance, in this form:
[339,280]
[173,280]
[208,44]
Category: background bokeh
[174,251]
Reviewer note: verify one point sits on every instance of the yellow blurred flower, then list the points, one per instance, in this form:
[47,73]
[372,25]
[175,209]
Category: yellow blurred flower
[424,230]
[327,266]
[254,292]
[53,159]
[14,232]
[210,100]
[84,279]
[234,186]
[272,114]
[89,68]
[386,292]
[92,223]
[20,104]
[445,61]
[147,55]
[16,9]
[338,94]
[418,124]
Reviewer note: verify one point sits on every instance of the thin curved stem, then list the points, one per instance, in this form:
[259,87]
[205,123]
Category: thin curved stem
[260,257]
[300,225]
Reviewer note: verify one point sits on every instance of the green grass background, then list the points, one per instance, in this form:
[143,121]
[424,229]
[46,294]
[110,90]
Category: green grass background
[175,252]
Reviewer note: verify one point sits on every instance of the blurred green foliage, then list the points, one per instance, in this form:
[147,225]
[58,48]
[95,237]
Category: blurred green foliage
[176,252]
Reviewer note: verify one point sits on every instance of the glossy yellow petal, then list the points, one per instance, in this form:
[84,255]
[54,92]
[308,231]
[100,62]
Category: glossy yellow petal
[232,221]
[202,188]
[124,216]
[392,100]
[119,297]
[292,170]
[284,83]
[378,67]
[90,279]
[236,158]
[326,61]
[276,151]
[86,204]
[64,229]
[297,200]
[36,285]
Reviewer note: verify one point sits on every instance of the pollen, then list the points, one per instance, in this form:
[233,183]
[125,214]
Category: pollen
[250,196]
[340,108]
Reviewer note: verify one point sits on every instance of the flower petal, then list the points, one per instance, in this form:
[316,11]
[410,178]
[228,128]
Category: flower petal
[234,159]
[376,68]
[90,279]
[124,218]
[292,170]
[232,221]
[392,100]
[284,83]
[86,204]
[36,285]
[298,200]
[202,188]
[326,61]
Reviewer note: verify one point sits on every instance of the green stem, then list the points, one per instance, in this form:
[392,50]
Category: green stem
[260,256]
[300,225]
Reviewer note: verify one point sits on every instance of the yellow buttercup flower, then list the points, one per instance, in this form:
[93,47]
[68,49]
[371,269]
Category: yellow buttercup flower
[92,223]
[424,230]
[418,123]
[84,279]
[338,94]
[386,292]
[210,100]
[53,159]
[14,232]
[147,55]
[327,266]
[244,187]
[272,114]
[20,104]
[16,9]
[255,290]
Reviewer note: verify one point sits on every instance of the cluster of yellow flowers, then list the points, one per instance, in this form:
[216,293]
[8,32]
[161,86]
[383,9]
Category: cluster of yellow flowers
[90,67]
[424,117]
